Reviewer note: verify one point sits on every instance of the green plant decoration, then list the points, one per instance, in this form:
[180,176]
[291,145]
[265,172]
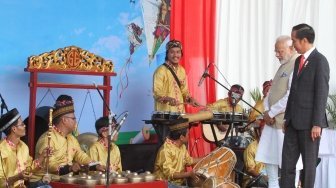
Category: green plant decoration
[331,109]
[255,94]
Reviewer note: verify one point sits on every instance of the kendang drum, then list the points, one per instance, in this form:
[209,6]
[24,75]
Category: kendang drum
[214,182]
[218,164]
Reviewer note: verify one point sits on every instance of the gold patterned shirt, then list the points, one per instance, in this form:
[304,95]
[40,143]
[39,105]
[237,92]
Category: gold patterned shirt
[164,85]
[223,105]
[14,160]
[98,152]
[171,159]
[66,150]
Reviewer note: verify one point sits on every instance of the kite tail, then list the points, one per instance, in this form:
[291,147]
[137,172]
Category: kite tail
[124,78]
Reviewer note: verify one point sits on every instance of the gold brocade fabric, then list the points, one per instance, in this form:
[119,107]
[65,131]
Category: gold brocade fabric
[164,85]
[171,159]
[249,161]
[65,151]
[14,161]
[223,105]
[98,152]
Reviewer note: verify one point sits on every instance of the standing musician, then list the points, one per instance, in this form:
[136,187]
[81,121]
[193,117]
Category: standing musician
[170,86]
[173,157]
[67,156]
[16,165]
[98,150]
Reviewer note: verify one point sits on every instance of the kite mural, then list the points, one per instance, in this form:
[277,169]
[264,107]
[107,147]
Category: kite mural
[156,16]
[135,40]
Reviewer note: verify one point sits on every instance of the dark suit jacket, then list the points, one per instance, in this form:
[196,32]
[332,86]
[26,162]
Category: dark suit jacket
[306,105]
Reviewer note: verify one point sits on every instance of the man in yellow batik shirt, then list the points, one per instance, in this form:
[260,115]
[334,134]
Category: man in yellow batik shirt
[173,157]
[67,156]
[228,104]
[16,165]
[170,86]
[98,150]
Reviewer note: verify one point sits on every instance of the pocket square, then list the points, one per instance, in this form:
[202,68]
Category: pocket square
[284,74]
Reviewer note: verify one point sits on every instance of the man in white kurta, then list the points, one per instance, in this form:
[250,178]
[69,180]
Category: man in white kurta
[270,145]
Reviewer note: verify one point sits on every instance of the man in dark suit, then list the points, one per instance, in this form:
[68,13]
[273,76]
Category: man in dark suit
[305,114]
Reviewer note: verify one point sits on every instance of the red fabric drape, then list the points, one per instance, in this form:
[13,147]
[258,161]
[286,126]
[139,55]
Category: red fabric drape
[193,23]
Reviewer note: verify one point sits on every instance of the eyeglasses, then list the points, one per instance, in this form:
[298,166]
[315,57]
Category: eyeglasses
[73,118]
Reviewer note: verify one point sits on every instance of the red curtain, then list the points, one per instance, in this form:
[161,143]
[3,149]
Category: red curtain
[193,23]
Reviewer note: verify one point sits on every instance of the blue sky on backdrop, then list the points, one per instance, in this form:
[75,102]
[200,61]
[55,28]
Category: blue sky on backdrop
[37,26]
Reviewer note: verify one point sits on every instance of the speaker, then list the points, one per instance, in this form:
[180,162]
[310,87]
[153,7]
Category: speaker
[138,157]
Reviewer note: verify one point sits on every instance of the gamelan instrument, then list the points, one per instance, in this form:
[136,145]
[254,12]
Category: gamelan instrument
[217,128]
[99,178]
[215,169]
[46,177]
[172,118]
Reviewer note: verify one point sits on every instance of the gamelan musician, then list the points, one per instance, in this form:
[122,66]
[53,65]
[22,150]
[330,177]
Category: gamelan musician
[67,155]
[170,87]
[228,104]
[173,157]
[98,150]
[16,165]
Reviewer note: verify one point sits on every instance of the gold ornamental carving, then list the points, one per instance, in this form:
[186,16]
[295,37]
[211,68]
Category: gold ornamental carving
[70,58]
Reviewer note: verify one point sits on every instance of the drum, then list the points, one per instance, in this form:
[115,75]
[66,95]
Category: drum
[219,164]
[214,182]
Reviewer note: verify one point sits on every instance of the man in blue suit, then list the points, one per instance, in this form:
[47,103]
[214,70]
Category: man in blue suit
[305,114]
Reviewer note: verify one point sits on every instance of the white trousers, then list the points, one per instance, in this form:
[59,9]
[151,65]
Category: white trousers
[273,176]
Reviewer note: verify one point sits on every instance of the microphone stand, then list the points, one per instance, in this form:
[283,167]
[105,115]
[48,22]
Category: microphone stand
[111,118]
[212,78]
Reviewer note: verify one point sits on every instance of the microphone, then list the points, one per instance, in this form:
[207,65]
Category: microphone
[116,130]
[236,96]
[204,75]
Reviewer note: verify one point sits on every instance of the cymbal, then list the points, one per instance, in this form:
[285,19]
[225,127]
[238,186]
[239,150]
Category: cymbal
[86,140]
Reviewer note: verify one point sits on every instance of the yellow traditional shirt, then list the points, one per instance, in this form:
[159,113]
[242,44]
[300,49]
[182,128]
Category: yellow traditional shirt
[98,152]
[259,106]
[171,159]
[14,160]
[164,85]
[65,151]
[223,105]
[249,160]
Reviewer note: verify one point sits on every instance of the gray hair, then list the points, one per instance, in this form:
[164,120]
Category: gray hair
[285,39]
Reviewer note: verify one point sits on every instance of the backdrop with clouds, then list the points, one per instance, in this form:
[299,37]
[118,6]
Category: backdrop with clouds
[101,27]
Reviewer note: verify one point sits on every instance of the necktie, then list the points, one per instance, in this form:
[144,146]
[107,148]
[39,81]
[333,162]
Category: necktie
[302,61]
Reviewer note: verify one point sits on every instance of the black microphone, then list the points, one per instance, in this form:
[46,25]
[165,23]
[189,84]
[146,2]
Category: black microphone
[204,75]
[116,130]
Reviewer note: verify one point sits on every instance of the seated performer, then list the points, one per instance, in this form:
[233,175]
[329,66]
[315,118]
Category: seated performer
[16,165]
[255,116]
[67,156]
[98,150]
[173,157]
[228,104]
